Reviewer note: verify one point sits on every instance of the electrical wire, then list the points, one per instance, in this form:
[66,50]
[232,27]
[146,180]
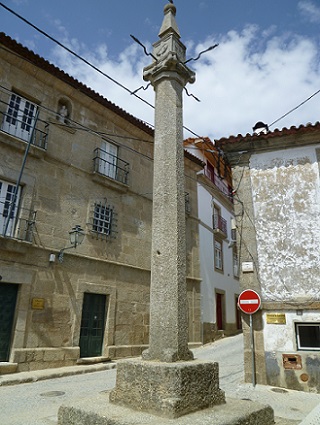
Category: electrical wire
[80,127]
[295,108]
[74,53]
[133,93]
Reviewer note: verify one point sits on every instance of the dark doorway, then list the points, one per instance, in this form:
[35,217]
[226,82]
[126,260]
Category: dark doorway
[8,299]
[92,325]
[220,310]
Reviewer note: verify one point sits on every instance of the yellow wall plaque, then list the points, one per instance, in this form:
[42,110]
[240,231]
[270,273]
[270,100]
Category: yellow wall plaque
[276,318]
[37,303]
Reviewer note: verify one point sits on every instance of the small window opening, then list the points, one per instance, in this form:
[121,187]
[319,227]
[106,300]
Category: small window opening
[308,336]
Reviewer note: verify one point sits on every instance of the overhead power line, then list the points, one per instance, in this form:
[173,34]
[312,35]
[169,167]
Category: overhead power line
[74,53]
[133,93]
[294,109]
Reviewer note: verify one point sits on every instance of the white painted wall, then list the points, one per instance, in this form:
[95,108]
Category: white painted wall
[212,279]
[282,337]
[286,199]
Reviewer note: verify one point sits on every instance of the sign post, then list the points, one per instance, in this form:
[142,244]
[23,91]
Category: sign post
[249,302]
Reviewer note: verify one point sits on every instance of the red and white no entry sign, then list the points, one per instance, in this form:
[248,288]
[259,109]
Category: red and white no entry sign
[249,301]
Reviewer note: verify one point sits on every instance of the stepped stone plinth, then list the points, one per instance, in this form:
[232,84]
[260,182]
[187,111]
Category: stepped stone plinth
[99,411]
[167,389]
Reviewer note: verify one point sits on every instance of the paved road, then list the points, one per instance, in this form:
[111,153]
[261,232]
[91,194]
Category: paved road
[37,403]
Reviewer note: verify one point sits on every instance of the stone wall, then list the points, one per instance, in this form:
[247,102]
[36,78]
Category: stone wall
[61,185]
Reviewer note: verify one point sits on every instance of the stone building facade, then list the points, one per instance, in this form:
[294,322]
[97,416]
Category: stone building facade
[89,164]
[277,201]
[220,314]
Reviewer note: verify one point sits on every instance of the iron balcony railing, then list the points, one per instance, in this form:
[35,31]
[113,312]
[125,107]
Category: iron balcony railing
[110,166]
[219,183]
[21,226]
[220,223]
[18,127]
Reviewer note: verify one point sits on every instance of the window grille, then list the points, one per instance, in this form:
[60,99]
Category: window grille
[103,220]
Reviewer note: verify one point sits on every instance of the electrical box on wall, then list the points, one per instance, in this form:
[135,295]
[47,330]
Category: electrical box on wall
[247,267]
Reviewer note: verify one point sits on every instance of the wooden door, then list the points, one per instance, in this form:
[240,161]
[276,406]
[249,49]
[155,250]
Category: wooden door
[92,325]
[8,299]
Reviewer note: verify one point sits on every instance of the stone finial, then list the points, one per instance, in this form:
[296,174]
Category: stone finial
[169,23]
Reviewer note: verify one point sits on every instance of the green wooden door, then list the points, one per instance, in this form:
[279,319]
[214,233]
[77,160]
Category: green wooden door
[92,325]
[8,298]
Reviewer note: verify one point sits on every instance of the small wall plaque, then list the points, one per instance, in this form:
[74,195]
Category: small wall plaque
[247,267]
[276,318]
[37,304]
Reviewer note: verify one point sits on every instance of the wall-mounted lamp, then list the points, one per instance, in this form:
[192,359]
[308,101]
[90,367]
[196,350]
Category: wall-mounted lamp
[76,238]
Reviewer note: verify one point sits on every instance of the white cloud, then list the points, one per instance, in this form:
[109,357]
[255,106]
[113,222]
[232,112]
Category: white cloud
[251,76]
[310,10]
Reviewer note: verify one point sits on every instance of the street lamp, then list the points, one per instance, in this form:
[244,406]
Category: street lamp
[76,238]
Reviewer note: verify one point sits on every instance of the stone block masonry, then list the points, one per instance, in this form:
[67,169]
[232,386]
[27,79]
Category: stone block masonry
[167,389]
[99,411]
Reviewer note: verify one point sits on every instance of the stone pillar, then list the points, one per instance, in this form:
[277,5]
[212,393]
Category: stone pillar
[168,303]
[165,382]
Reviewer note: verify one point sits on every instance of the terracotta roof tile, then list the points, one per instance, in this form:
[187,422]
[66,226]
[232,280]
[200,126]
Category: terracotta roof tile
[269,135]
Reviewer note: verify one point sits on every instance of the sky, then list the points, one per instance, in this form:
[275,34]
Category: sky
[267,61]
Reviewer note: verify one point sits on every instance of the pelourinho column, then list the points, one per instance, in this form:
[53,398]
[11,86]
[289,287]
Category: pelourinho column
[168,300]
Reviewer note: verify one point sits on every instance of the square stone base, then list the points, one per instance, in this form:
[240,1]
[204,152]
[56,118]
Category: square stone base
[167,389]
[99,411]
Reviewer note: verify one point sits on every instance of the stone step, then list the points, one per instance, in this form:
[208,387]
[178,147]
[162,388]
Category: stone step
[93,360]
[99,411]
[7,367]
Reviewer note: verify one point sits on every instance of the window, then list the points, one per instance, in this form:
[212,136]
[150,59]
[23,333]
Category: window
[8,208]
[107,162]
[235,262]
[19,119]
[216,215]
[108,159]
[308,336]
[219,223]
[102,218]
[218,255]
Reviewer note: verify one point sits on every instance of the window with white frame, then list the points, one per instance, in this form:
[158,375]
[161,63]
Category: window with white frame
[218,255]
[8,207]
[102,218]
[108,157]
[308,336]
[19,119]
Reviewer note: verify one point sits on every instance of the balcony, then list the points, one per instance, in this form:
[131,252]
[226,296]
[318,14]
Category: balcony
[20,227]
[220,226]
[110,166]
[219,183]
[21,128]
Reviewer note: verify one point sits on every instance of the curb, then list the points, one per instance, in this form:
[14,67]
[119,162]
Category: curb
[41,375]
